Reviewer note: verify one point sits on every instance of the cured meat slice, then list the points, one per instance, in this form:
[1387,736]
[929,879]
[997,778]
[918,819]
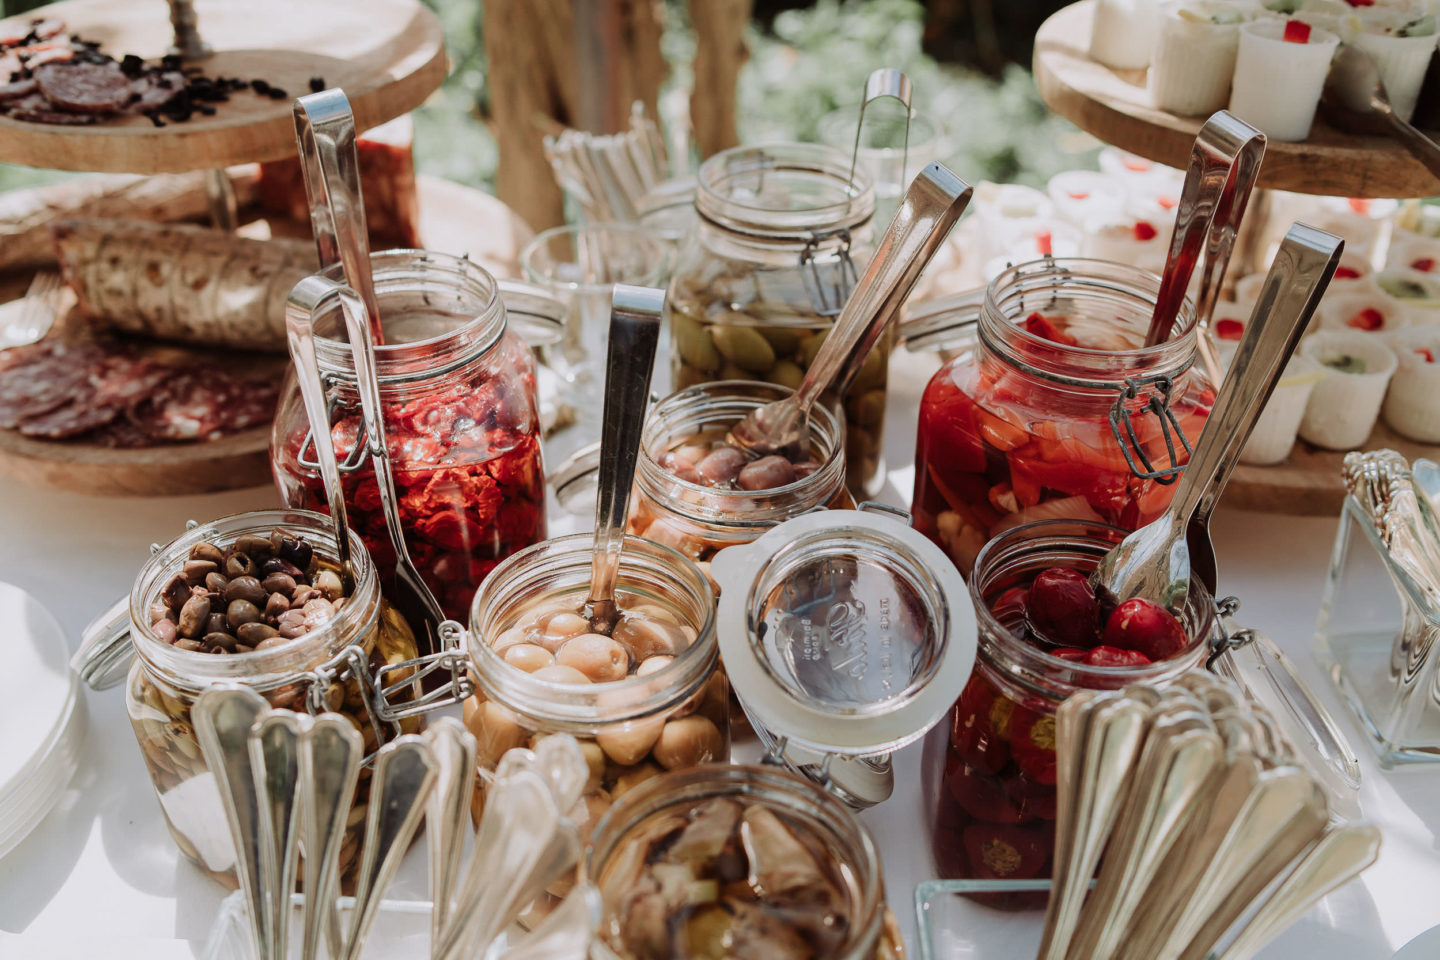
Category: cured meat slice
[85,87]
[16,90]
[42,380]
[35,108]
[70,420]
[189,406]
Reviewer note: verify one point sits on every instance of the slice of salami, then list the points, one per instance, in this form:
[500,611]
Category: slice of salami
[84,87]
[16,90]
[35,108]
[70,420]
[252,405]
[44,380]
[122,434]
[187,406]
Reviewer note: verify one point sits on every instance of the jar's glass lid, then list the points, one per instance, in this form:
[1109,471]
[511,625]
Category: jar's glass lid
[844,631]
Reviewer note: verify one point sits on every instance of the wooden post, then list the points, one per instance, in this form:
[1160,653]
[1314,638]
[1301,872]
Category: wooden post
[719,53]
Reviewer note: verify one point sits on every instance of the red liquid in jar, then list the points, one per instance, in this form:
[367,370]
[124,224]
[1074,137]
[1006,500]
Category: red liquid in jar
[997,446]
[469,483]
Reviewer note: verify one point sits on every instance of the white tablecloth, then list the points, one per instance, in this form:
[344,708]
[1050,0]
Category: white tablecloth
[100,876]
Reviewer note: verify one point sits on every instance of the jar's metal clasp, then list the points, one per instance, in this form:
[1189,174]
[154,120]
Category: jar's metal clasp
[388,692]
[1123,428]
[828,299]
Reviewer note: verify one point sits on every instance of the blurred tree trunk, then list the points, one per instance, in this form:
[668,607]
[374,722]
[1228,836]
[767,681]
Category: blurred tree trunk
[549,67]
[719,54]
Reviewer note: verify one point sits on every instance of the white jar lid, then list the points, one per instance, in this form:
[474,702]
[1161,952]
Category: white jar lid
[846,634]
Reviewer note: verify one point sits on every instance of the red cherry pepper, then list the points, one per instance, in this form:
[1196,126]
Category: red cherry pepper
[981,795]
[1032,743]
[998,852]
[1104,656]
[1139,624]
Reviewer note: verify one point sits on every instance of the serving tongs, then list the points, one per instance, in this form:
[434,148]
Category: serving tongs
[932,204]
[1224,163]
[1157,561]
[325,131]
[635,314]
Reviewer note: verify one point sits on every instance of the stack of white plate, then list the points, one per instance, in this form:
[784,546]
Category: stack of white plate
[42,715]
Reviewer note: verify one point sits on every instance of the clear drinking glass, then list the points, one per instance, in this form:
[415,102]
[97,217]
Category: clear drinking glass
[882,152]
[580,265]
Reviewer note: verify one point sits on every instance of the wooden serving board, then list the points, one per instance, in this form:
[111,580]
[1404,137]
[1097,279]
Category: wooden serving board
[1309,482]
[454,219]
[1114,105]
[388,56]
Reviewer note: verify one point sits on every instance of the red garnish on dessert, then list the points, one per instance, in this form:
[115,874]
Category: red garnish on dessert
[1360,205]
[1361,3]
[1138,164]
[1043,327]
[1168,202]
[1367,319]
[1229,329]
[1144,231]
[1426,353]
[1298,31]
[1079,195]
[1044,241]
[1139,624]
[1346,273]
[1424,264]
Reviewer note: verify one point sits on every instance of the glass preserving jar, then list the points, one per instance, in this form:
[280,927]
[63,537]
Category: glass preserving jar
[781,236]
[1058,411]
[738,834]
[700,520]
[631,728]
[165,681]
[461,413]
[994,801]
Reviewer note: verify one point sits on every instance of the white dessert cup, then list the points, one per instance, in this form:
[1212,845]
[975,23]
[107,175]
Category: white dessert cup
[1418,294]
[995,203]
[1412,405]
[1361,223]
[1413,252]
[1340,312]
[1194,56]
[1343,408]
[1082,195]
[1227,326]
[1131,168]
[1277,84]
[1123,33]
[1352,271]
[1335,16]
[1247,288]
[1120,240]
[1274,435]
[1402,62]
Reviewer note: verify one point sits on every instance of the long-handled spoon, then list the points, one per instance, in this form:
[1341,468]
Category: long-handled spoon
[330,753]
[1155,561]
[635,314]
[449,810]
[275,757]
[1355,101]
[932,204]
[222,717]
[1224,162]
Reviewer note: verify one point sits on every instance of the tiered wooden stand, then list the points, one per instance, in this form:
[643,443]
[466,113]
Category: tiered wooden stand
[1115,107]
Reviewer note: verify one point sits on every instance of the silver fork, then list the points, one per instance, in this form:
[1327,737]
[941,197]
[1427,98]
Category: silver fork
[36,312]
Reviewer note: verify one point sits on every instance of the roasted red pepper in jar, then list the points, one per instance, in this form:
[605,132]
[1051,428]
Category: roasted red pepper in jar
[1019,428]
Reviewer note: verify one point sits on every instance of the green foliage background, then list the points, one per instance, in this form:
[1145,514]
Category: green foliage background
[807,64]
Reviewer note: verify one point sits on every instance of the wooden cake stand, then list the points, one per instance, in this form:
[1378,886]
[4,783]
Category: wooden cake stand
[1114,106]
[388,55]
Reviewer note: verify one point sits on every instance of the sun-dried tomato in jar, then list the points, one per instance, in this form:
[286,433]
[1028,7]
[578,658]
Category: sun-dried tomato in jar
[1058,411]
[461,417]
[994,800]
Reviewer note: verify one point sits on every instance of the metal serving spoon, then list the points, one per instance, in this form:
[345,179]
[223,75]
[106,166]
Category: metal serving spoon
[1224,162]
[1355,101]
[635,314]
[1156,561]
[932,204]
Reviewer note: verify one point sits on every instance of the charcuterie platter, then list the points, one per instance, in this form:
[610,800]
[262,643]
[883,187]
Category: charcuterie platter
[449,214]
[388,55]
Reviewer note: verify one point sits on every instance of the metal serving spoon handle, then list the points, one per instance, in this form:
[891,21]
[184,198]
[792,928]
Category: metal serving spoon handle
[1154,561]
[635,314]
[930,207]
